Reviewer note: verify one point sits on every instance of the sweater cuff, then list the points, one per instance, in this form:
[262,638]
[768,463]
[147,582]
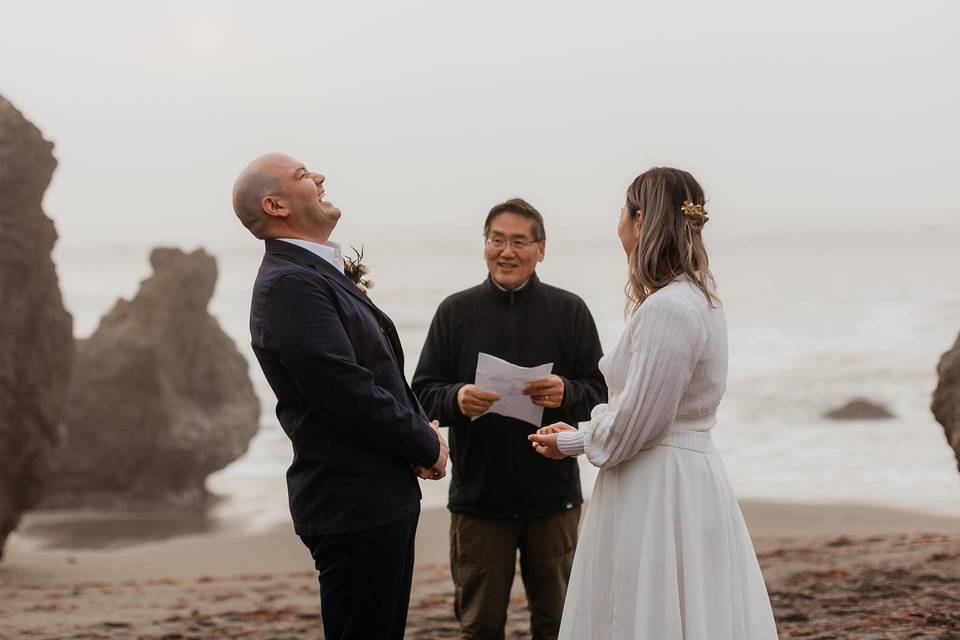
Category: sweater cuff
[570,442]
[452,405]
[567,393]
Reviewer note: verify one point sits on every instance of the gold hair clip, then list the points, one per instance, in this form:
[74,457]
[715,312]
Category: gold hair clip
[694,210]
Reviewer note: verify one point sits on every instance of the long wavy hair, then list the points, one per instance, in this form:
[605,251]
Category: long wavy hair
[671,240]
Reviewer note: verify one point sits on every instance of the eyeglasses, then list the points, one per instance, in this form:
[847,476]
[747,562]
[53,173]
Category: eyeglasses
[518,244]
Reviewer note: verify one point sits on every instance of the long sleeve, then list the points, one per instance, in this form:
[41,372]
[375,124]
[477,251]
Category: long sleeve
[314,348]
[668,336]
[584,388]
[435,382]
[570,443]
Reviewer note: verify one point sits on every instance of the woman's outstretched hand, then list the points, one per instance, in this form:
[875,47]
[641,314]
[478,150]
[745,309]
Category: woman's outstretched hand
[544,441]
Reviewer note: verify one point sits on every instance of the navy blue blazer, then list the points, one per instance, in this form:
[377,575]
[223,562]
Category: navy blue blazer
[334,361]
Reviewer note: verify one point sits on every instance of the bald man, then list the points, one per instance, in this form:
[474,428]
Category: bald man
[360,438]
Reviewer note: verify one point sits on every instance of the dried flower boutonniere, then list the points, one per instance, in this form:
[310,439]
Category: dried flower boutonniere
[354,269]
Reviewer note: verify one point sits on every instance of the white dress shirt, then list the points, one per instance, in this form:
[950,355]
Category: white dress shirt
[329,251]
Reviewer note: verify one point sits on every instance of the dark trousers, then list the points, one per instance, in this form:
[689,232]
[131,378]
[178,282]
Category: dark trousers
[483,557]
[365,580]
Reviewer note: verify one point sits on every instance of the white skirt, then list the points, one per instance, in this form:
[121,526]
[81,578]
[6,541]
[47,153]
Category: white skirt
[664,553]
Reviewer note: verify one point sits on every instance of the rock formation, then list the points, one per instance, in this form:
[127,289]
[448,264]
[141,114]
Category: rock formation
[859,409]
[946,398]
[160,397]
[36,332]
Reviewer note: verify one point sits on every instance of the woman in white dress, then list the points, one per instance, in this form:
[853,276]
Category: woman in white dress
[664,553]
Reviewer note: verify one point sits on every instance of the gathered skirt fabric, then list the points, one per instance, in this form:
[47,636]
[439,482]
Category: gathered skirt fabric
[664,554]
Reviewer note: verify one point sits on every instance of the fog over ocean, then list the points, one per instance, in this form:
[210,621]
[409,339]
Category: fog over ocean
[814,320]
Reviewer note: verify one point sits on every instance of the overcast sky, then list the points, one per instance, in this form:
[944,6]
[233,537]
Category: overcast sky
[423,114]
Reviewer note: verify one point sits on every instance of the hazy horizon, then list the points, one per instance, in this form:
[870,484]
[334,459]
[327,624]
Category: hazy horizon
[825,115]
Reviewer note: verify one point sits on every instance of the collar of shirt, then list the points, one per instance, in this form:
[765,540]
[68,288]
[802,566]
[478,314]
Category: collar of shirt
[329,251]
[497,285]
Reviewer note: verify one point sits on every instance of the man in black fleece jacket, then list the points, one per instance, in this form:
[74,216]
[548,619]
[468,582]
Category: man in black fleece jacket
[503,496]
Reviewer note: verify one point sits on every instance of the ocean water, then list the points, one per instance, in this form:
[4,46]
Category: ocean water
[816,316]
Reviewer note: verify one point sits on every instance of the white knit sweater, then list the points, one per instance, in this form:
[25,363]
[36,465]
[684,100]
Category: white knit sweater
[667,373]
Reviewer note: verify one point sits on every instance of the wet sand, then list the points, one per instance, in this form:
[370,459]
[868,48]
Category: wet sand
[833,572]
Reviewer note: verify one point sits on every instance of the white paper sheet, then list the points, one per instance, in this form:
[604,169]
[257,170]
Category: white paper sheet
[507,380]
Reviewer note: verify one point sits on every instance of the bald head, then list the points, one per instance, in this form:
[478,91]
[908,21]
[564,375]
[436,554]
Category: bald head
[258,180]
[276,196]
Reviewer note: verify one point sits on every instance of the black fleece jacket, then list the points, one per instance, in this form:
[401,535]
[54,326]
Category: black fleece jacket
[496,473]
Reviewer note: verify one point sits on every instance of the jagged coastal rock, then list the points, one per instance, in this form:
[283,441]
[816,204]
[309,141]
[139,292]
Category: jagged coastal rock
[160,397]
[36,332]
[859,409]
[946,398]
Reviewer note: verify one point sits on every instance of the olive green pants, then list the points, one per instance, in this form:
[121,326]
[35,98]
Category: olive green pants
[483,558]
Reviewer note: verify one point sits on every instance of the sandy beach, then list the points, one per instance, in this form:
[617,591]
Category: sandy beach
[837,571]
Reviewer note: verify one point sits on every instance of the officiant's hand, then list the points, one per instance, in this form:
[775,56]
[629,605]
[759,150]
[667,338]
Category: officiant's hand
[544,441]
[473,402]
[439,469]
[546,393]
